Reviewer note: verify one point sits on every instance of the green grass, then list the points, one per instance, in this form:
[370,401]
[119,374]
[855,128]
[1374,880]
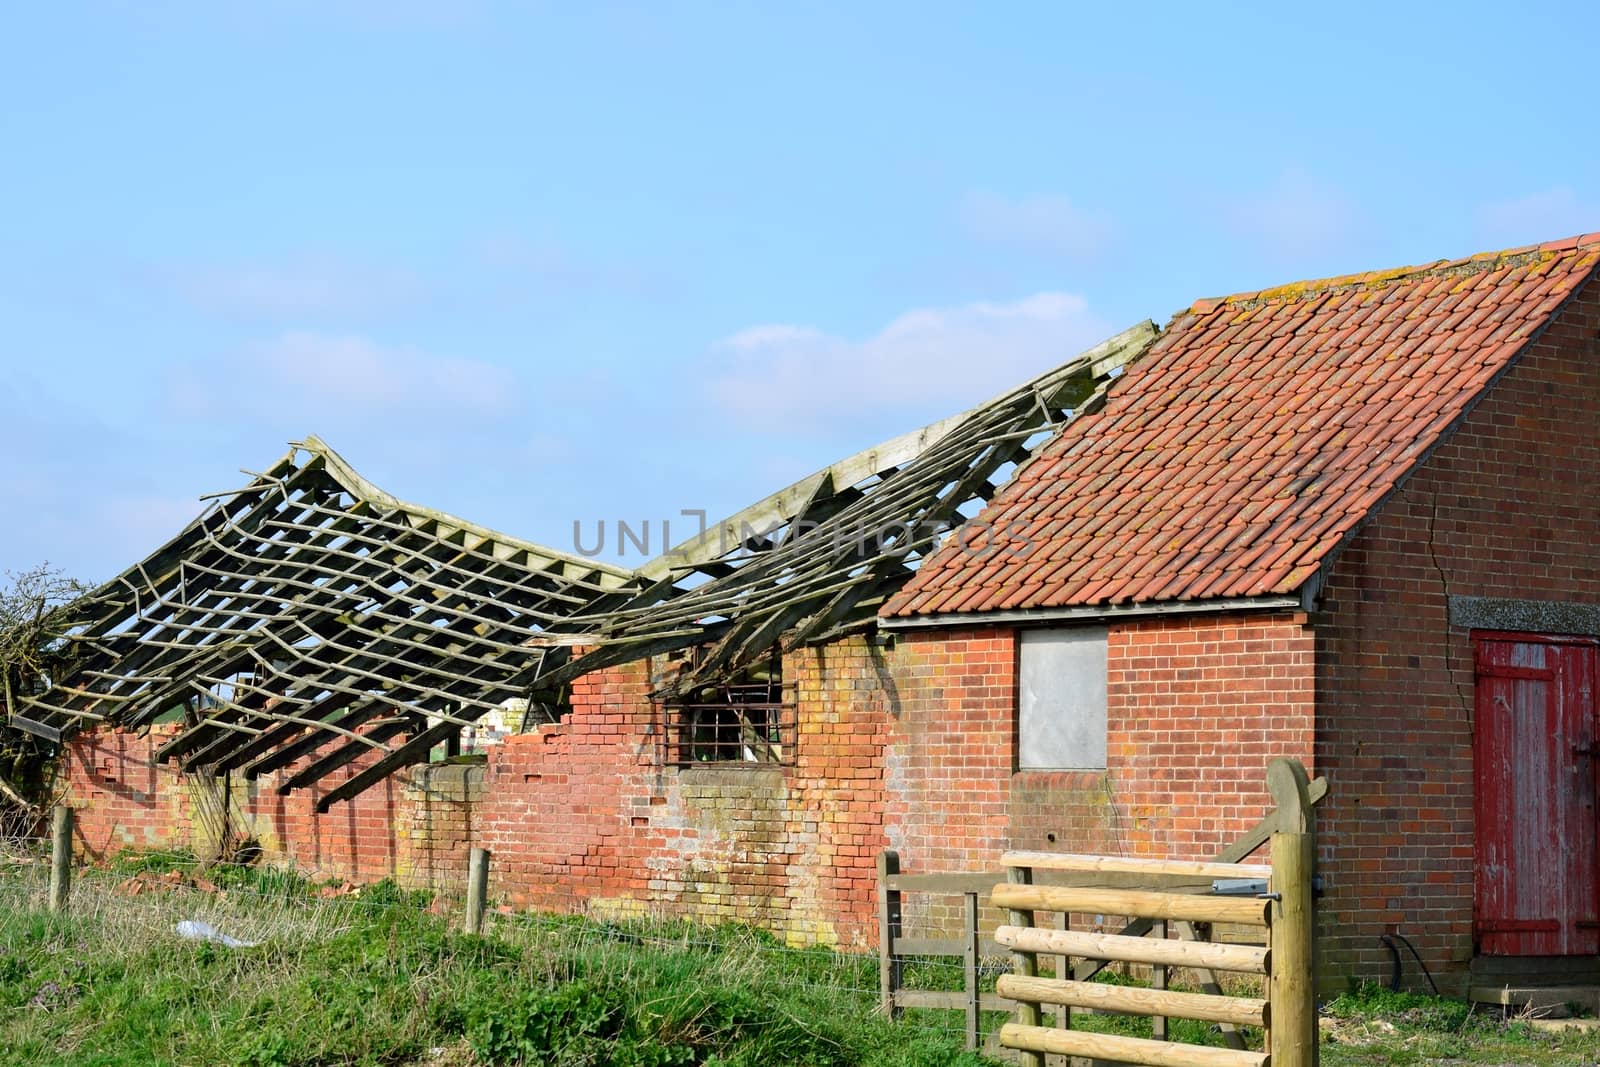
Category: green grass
[1371,1025]
[375,979]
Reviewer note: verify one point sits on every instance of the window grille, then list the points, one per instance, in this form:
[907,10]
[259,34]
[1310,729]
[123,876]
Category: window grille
[750,718]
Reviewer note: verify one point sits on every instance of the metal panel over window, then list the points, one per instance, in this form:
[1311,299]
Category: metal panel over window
[1061,714]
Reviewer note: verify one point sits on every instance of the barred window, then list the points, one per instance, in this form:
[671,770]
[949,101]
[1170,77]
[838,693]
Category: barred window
[749,718]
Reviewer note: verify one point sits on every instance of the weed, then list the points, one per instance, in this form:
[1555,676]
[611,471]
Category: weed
[373,979]
[1373,1025]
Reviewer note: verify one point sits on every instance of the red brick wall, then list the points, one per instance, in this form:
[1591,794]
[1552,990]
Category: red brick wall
[1196,710]
[122,799]
[1505,507]
[1198,707]
[949,765]
[911,748]
[583,814]
[414,827]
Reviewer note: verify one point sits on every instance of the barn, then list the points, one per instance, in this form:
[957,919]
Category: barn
[1355,521]
[1351,521]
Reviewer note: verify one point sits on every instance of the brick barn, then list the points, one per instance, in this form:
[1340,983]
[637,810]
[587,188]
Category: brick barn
[1352,522]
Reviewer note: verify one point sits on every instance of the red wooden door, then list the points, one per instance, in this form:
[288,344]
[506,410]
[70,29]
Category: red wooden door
[1538,882]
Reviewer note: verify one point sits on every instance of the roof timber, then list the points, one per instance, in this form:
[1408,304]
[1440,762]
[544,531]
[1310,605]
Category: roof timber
[310,621]
[796,501]
[302,595]
[824,578]
[503,546]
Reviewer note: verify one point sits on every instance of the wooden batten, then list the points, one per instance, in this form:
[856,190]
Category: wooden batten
[1066,861]
[1246,959]
[1243,911]
[1140,1050]
[1135,1000]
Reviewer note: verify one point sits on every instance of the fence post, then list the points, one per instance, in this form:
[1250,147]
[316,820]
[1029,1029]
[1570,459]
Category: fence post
[970,976]
[1158,980]
[889,920]
[477,889]
[60,857]
[1292,1032]
[1026,965]
[1063,970]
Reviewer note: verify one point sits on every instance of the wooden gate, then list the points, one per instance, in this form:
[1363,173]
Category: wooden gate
[1537,890]
[1287,1012]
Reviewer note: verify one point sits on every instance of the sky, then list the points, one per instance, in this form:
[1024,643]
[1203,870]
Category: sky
[547,264]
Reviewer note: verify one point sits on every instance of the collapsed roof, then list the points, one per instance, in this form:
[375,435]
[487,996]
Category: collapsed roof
[310,619]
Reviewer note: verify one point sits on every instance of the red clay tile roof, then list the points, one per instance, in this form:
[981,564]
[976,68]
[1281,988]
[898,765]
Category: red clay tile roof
[1236,455]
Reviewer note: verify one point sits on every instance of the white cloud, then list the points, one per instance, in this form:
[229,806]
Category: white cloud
[1299,215]
[310,287]
[930,361]
[1051,223]
[318,375]
[759,337]
[1540,216]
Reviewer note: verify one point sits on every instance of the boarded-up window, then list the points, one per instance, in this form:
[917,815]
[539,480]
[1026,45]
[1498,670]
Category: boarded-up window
[1061,713]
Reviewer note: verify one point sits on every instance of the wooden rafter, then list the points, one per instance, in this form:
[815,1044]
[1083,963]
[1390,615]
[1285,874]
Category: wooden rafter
[302,599]
[826,577]
[314,620]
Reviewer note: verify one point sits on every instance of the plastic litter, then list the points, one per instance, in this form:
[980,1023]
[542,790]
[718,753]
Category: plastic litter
[195,930]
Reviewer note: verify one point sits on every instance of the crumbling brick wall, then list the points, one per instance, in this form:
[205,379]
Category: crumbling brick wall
[123,799]
[585,815]
[579,815]
[415,827]
[911,746]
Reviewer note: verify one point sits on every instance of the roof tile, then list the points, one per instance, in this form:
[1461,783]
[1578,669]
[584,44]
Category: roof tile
[1253,436]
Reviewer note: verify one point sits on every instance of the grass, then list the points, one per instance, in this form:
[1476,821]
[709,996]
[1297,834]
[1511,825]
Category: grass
[1371,1025]
[375,977]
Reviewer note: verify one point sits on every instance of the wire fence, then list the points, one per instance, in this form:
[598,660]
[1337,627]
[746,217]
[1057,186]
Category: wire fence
[145,897]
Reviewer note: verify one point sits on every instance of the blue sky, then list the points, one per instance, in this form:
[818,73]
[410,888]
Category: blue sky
[543,263]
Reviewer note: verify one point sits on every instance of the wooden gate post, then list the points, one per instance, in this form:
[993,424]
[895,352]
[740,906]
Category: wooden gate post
[60,857]
[1292,1033]
[889,921]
